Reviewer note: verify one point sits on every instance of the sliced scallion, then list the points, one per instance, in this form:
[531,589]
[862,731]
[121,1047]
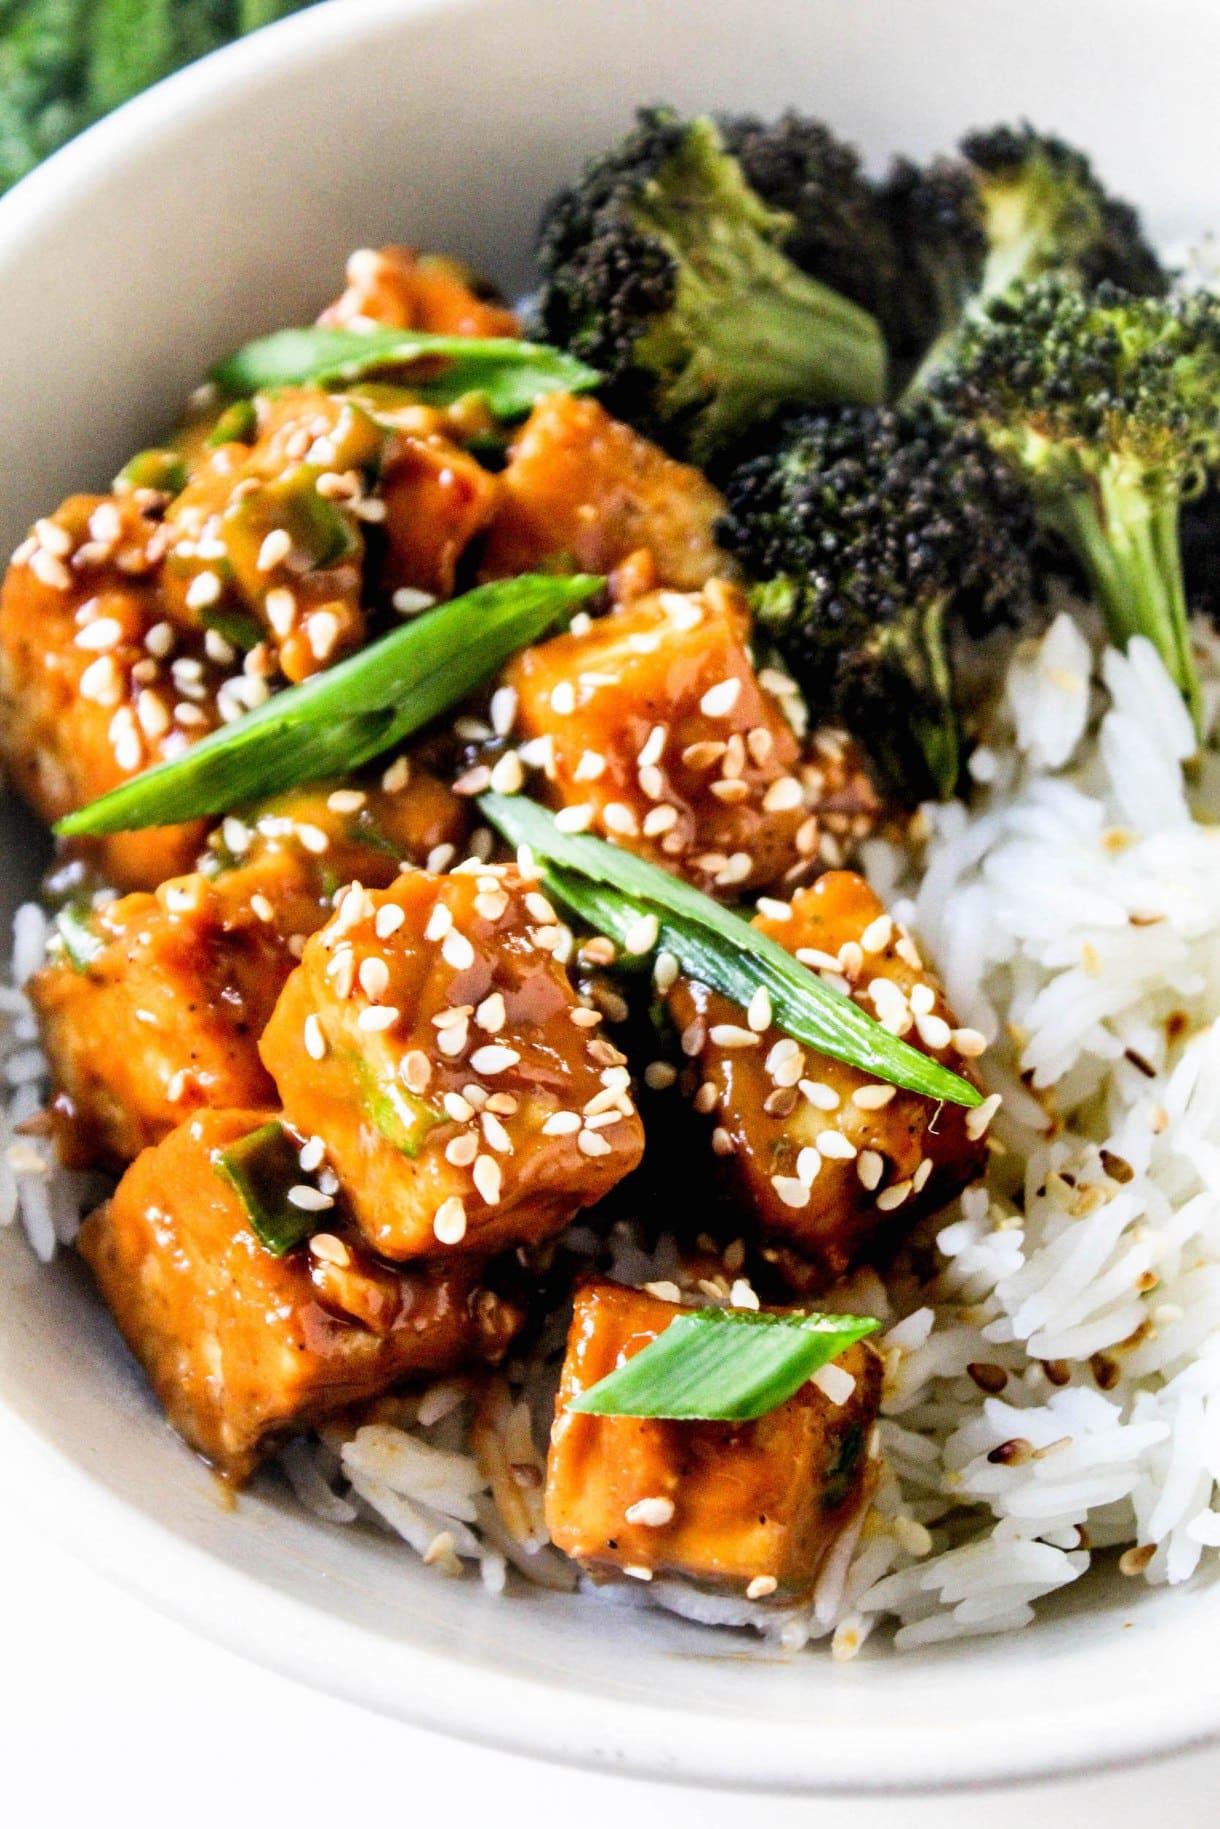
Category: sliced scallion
[262,1168]
[509,375]
[723,1365]
[341,718]
[720,949]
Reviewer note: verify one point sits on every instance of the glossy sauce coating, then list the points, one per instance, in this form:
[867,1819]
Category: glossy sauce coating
[829,1162]
[433,1041]
[243,1347]
[726,1505]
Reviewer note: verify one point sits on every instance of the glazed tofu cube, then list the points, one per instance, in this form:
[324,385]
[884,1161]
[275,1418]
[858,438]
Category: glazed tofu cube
[243,1347]
[583,489]
[433,1041]
[831,1163]
[750,1508]
[154,1006]
[662,738]
[404,290]
[438,499]
[87,703]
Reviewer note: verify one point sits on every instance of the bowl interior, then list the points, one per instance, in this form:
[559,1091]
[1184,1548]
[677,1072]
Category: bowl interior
[223,204]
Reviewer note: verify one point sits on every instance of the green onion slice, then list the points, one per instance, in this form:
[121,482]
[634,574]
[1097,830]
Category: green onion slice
[261,1168]
[723,1365]
[74,926]
[717,947]
[341,718]
[509,375]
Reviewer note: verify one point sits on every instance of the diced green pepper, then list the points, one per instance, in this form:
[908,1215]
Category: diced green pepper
[320,531]
[237,425]
[73,924]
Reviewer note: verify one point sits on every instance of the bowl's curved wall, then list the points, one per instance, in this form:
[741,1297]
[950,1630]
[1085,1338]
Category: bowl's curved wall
[224,203]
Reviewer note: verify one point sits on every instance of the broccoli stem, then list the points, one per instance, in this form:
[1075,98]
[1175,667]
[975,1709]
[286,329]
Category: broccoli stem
[914,646]
[763,334]
[1127,540]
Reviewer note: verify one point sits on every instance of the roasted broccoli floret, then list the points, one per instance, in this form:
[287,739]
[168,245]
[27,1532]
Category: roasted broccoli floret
[663,269]
[1016,204]
[1110,406]
[839,231]
[873,536]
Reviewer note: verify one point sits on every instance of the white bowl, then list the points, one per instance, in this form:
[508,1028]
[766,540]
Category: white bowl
[223,203]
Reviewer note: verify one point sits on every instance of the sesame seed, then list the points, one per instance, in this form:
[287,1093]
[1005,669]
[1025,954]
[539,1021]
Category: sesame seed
[491,1013]
[153,714]
[370,509]
[665,972]
[808,1166]
[160,640]
[774,911]
[979,1119]
[878,934]
[619,818]
[732,1035]
[101,682]
[893,1196]
[718,701]
[637,1571]
[474,781]
[722,1142]
[49,570]
[921,998]
[693,1038]
[736,869]
[659,1075]
[449,1224]
[457,1108]
[203,590]
[836,1146]
[759,1013]
[312,1155]
[494,1059]
[508,776]
[329,1249]
[589,1143]
[457,951]
[274,550]
[591,767]
[919,1180]
[487,1179]
[783,795]
[970,1043]
[309,1200]
[563,698]
[561,1124]
[374,977]
[869,1169]
[462,1150]
[410,602]
[439,859]
[261,908]
[494,1133]
[396,776]
[388,919]
[873,1097]
[100,635]
[452,1040]
[346,800]
[54,538]
[584,1018]
[322,629]
[281,608]
[574,819]
[492,906]
[934,1031]
[654,1513]
[377,1017]
[415,1071]
[792,1192]
[439,922]
[642,935]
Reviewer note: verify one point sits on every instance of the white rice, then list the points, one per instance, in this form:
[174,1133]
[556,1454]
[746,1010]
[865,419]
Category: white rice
[1074,914]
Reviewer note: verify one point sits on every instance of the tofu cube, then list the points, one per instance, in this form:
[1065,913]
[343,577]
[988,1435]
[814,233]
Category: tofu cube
[585,489]
[243,1347]
[660,731]
[749,1508]
[434,1042]
[832,1163]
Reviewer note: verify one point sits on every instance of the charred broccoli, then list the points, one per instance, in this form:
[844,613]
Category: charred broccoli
[1110,406]
[662,268]
[873,535]
[839,233]
[1015,205]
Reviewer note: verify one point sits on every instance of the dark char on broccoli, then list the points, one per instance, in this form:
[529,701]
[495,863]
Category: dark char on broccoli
[664,269]
[873,536]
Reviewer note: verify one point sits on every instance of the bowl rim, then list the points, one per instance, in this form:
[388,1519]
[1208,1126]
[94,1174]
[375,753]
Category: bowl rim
[456,1697]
